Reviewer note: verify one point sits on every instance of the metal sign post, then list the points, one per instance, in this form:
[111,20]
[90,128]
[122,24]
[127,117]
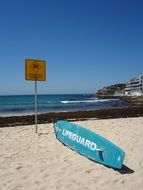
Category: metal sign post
[36,106]
[35,70]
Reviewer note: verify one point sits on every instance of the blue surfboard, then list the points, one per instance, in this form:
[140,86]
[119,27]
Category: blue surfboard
[89,144]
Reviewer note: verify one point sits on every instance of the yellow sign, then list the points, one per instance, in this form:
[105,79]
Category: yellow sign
[35,69]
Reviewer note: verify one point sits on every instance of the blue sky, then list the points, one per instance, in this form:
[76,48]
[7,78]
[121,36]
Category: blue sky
[87,44]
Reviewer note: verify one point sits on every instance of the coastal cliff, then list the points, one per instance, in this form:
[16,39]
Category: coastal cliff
[111,90]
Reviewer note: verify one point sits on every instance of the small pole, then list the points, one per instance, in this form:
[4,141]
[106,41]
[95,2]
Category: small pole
[36,106]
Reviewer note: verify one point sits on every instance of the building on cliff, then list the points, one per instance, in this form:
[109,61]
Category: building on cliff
[134,87]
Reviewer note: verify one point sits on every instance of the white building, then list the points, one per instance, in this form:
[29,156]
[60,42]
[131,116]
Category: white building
[135,86]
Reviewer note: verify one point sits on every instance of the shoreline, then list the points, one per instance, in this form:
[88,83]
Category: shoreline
[133,111]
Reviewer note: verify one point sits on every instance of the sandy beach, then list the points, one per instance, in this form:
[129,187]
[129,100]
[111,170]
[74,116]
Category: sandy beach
[40,162]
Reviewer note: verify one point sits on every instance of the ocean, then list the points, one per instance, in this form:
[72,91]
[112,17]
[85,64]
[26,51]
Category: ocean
[25,104]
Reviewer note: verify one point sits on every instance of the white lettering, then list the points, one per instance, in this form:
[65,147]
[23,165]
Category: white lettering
[87,143]
[64,132]
[80,140]
[93,146]
[74,137]
[70,135]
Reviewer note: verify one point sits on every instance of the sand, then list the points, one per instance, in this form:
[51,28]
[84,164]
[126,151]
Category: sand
[30,161]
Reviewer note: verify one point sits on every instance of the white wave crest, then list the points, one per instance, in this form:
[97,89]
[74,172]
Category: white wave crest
[87,101]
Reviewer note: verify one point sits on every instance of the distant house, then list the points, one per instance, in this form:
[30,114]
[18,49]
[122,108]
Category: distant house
[135,86]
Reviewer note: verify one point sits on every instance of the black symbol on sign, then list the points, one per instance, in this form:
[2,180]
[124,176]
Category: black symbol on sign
[36,67]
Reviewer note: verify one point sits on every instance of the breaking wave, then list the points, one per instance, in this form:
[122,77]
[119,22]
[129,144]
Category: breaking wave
[86,101]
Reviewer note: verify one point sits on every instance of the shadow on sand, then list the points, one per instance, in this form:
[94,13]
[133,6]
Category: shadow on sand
[39,134]
[125,170]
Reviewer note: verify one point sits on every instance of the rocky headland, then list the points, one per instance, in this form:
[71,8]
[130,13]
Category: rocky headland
[117,91]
